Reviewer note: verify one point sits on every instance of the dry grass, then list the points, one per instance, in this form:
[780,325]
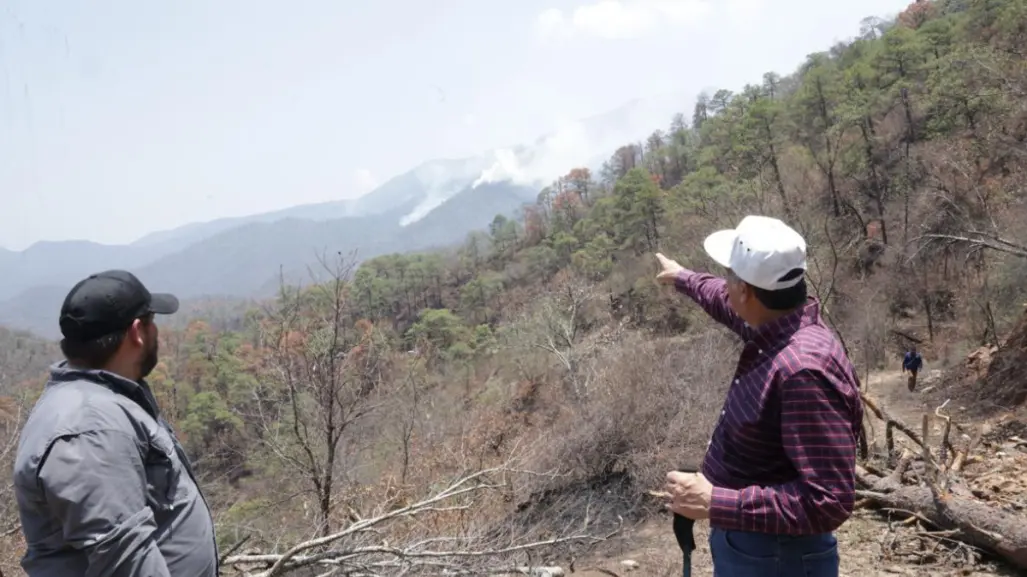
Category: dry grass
[650,409]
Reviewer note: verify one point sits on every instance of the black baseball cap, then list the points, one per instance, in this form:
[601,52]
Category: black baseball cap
[109,302]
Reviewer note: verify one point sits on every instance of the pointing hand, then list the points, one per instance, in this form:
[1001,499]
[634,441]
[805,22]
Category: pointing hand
[670,269]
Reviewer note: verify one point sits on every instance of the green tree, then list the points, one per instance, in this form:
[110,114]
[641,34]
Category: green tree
[438,329]
[639,211]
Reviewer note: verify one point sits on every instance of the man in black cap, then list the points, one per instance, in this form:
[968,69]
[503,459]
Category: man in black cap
[103,486]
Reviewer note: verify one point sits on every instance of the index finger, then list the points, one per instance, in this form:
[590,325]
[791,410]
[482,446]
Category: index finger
[676,477]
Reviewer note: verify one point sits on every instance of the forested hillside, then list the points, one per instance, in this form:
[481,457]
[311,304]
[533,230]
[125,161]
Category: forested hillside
[541,366]
[24,359]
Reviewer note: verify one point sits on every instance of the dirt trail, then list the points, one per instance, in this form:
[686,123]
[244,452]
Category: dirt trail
[889,387]
[652,546]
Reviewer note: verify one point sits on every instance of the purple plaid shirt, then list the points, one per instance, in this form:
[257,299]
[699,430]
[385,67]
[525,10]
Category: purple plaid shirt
[783,454]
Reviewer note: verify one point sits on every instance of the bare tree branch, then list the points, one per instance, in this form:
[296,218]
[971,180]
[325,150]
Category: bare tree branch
[975,240]
[345,550]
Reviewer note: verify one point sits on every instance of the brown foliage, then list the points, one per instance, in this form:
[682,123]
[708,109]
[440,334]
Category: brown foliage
[650,410]
[917,13]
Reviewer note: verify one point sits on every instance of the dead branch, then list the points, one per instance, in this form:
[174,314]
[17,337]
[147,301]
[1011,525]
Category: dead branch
[906,336]
[975,241]
[961,456]
[941,499]
[970,521]
[231,551]
[889,420]
[533,571]
[593,569]
[348,550]
[946,445]
[894,479]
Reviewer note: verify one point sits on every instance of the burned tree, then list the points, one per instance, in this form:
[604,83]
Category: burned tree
[325,374]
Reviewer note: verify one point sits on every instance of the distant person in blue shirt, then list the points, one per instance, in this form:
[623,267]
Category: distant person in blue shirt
[912,363]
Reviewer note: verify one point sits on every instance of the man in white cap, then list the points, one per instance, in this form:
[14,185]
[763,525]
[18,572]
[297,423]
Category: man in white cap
[778,477]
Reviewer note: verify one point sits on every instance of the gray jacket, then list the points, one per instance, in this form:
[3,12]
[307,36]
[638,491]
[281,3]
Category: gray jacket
[103,486]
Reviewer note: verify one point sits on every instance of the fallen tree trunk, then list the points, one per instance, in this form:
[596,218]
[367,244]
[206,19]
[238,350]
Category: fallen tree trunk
[941,496]
[976,523]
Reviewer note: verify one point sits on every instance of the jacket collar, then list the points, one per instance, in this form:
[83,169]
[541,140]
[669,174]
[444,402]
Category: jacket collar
[138,391]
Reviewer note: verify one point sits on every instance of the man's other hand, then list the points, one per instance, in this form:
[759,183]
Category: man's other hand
[690,494]
[669,269]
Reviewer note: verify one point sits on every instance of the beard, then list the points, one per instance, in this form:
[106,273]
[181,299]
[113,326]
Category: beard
[149,360]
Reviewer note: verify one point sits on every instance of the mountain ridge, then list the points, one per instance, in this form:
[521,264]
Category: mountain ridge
[434,204]
[661,106]
[245,262]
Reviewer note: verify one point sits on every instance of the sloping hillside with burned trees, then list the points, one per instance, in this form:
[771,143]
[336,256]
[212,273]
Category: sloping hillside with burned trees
[507,403]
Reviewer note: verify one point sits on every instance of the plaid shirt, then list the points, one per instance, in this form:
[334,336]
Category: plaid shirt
[783,454]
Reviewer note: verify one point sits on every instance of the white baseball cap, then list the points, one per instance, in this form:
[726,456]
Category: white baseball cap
[760,251]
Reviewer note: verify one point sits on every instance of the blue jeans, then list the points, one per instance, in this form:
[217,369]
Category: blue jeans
[743,554]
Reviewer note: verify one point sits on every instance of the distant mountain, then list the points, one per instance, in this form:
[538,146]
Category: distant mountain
[183,236]
[476,206]
[46,263]
[432,205]
[246,261]
[35,310]
[586,142]
[241,260]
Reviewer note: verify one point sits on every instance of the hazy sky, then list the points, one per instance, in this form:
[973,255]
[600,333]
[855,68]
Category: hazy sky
[120,117]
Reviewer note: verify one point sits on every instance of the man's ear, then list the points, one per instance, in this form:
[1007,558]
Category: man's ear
[135,332]
[744,293]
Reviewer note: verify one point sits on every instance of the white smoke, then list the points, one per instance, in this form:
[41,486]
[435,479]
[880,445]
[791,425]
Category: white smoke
[442,180]
[573,144]
[567,147]
[577,143]
[506,167]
